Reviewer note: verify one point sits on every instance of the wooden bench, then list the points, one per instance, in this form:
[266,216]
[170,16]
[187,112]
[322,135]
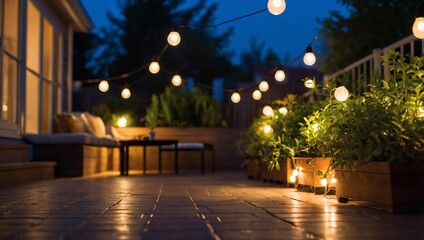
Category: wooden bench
[195,147]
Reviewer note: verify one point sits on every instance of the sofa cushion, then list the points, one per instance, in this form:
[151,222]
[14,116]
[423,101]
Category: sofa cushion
[68,123]
[94,124]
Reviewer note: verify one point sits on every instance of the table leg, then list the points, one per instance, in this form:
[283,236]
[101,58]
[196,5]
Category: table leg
[127,159]
[160,159]
[176,157]
[122,160]
[144,159]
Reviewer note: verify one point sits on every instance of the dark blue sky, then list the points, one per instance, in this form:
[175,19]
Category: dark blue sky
[288,33]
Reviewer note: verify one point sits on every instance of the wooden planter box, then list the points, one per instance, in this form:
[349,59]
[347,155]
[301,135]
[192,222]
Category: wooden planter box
[393,187]
[252,168]
[308,171]
[279,176]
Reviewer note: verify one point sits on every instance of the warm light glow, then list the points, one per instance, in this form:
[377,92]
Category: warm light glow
[5,107]
[315,127]
[268,129]
[256,95]
[126,93]
[309,58]
[154,67]
[341,94]
[324,182]
[292,179]
[174,38]
[309,83]
[333,180]
[103,86]
[264,86]
[276,7]
[418,28]
[295,172]
[283,110]
[420,112]
[280,75]
[177,80]
[267,111]
[122,122]
[235,97]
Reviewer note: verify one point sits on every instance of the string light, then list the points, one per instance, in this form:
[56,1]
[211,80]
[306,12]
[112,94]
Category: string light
[177,80]
[276,7]
[315,127]
[341,94]
[126,93]
[283,110]
[263,86]
[418,28]
[103,86]
[174,38]
[324,182]
[309,58]
[267,111]
[280,75]
[268,129]
[235,97]
[122,122]
[309,83]
[257,95]
[154,67]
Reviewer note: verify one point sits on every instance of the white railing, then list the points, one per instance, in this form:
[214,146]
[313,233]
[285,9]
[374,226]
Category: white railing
[362,72]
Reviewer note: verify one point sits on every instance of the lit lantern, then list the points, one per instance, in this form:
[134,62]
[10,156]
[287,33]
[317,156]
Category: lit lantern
[276,7]
[309,83]
[263,86]
[174,38]
[103,86]
[418,28]
[292,179]
[126,93]
[256,95]
[341,94]
[283,110]
[267,111]
[177,80]
[122,122]
[280,75]
[324,182]
[268,129]
[235,97]
[154,67]
[309,58]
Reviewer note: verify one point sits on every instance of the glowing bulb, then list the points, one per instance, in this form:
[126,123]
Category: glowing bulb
[5,107]
[122,122]
[267,111]
[126,93]
[324,182]
[280,75]
[256,95]
[263,86]
[174,38]
[420,112]
[103,86]
[418,28]
[154,67]
[309,58]
[276,7]
[268,129]
[341,94]
[333,180]
[292,179]
[309,83]
[296,172]
[283,110]
[235,97]
[177,80]
[315,127]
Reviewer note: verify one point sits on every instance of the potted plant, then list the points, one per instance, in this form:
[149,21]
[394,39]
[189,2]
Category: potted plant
[151,119]
[376,140]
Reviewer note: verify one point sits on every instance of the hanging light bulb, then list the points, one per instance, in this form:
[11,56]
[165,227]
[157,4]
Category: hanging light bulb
[154,67]
[103,86]
[235,97]
[177,80]
[309,58]
[174,38]
[122,122]
[256,94]
[283,110]
[268,129]
[126,93]
[276,7]
[264,86]
[324,182]
[309,83]
[341,94]
[280,75]
[267,111]
[418,28]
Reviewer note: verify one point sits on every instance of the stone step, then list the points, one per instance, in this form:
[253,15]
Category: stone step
[14,153]
[25,172]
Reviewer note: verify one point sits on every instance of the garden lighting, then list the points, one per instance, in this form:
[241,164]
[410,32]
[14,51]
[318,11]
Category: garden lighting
[309,57]
[154,67]
[276,7]
[268,129]
[292,179]
[263,86]
[324,182]
[122,122]
[177,80]
[235,97]
[283,110]
[267,111]
[126,93]
[295,172]
[256,95]
[309,83]
[280,75]
[418,28]
[341,94]
[103,86]
[174,38]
